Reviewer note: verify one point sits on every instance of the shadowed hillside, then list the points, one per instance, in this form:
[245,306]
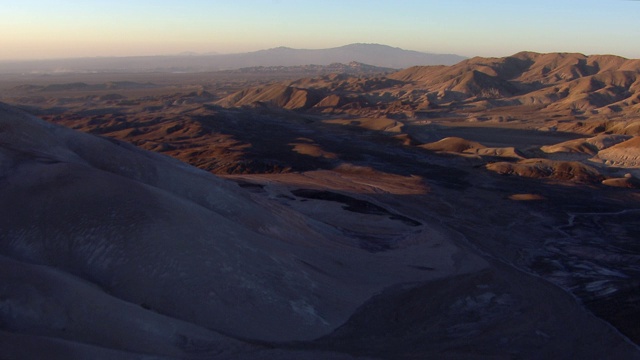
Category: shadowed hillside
[112,251]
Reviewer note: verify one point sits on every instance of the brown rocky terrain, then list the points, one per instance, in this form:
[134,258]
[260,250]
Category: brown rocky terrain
[539,96]
[507,185]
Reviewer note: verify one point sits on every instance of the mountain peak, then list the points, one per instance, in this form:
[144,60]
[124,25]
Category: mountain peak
[281,48]
[368,45]
[367,53]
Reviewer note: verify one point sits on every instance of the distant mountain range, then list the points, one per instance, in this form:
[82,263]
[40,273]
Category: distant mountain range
[372,54]
[597,84]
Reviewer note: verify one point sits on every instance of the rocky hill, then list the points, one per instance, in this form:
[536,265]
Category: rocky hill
[572,83]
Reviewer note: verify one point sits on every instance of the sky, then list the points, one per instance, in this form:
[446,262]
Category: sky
[46,29]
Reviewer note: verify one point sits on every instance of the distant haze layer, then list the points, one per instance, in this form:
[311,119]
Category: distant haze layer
[372,54]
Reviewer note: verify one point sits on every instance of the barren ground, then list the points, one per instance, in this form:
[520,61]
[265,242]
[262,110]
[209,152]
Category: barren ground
[387,228]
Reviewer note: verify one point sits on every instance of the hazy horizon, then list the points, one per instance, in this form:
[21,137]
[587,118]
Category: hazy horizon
[210,53]
[44,29]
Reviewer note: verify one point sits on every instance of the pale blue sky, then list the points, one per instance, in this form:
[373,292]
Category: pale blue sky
[72,28]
